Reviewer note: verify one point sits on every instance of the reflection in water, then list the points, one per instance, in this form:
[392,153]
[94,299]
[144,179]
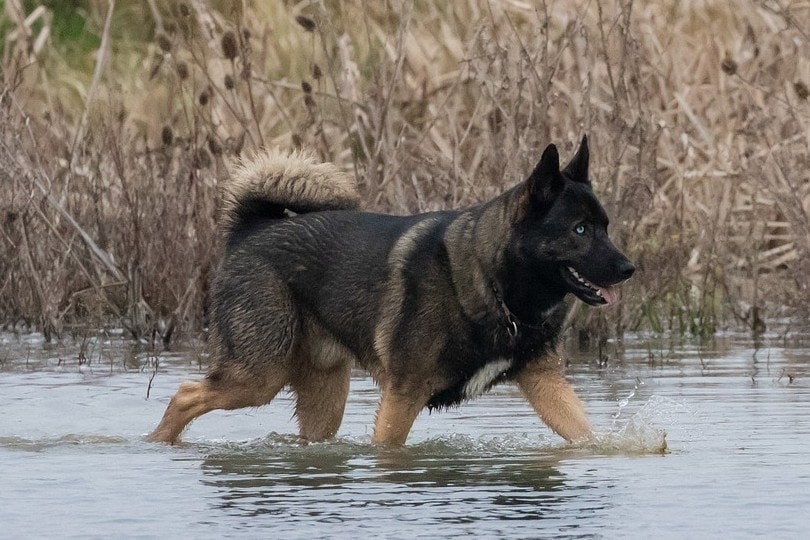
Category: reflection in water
[453,480]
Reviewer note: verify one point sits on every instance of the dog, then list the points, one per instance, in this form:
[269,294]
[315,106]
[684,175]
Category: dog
[437,307]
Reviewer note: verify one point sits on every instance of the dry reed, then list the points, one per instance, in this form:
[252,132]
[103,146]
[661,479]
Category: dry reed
[698,113]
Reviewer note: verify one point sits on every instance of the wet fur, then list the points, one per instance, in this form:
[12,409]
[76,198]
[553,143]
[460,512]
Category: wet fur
[437,307]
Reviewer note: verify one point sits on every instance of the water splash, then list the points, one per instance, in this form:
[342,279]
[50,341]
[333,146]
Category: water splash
[448,445]
[640,433]
[480,445]
[281,444]
[624,403]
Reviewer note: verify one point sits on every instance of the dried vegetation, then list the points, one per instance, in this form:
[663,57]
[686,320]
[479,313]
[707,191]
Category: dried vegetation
[111,154]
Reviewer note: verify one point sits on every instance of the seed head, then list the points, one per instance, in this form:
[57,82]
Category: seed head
[182,70]
[230,47]
[306,87]
[306,23]
[164,42]
[228,82]
[213,146]
[801,90]
[729,66]
[202,159]
[167,136]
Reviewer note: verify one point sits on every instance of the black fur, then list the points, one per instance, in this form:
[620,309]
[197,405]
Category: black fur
[336,266]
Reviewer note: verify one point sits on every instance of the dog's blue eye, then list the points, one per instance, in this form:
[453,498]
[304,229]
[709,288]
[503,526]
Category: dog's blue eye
[580,229]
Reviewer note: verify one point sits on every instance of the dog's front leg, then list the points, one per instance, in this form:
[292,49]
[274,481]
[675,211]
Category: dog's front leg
[396,415]
[544,385]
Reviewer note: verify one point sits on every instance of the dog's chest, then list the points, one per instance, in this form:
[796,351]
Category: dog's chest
[485,377]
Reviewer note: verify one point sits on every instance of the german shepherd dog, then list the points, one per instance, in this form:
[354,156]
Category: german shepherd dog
[437,307]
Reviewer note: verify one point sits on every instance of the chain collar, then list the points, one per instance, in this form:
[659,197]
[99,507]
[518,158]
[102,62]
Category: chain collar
[512,323]
[511,320]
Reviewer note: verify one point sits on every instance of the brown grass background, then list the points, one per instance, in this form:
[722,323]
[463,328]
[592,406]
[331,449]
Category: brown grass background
[115,138]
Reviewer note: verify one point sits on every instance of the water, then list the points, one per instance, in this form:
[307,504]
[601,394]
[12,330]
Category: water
[73,462]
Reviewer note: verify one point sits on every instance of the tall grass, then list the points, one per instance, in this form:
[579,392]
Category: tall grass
[697,110]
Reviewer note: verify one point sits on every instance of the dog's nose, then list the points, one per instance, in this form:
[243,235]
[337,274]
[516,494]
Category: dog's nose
[626,269]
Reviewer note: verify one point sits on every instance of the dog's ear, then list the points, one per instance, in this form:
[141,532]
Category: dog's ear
[577,168]
[546,182]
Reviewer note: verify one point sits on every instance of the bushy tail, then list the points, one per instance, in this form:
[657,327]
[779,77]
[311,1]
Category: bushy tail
[270,182]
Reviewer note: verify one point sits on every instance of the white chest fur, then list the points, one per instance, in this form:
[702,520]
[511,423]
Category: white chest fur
[483,378]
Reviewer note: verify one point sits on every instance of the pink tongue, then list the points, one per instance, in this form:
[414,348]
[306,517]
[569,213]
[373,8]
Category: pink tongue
[610,294]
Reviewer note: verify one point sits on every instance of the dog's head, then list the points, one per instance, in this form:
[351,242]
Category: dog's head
[563,230]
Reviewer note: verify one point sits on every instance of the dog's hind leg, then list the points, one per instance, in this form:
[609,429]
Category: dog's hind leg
[553,399]
[253,342]
[321,399]
[194,399]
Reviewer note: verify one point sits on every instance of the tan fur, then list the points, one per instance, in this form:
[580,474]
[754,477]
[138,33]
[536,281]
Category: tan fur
[469,276]
[194,399]
[321,384]
[322,350]
[396,415]
[288,176]
[320,400]
[395,289]
[553,399]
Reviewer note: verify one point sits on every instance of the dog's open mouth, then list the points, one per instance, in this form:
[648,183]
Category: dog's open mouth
[588,292]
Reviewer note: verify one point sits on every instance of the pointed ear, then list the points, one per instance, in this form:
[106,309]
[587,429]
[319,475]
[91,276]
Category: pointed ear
[546,182]
[577,169]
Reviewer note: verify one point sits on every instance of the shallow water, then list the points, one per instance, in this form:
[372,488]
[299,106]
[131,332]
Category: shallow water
[73,462]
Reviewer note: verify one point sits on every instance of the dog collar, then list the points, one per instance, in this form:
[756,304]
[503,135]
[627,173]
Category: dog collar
[512,322]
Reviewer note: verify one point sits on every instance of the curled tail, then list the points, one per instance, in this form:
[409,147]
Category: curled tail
[270,182]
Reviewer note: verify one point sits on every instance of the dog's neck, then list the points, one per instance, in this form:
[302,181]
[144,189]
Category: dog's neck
[513,324]
[480,264]
[470,268]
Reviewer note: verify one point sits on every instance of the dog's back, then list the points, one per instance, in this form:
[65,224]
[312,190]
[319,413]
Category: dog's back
[334,269]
